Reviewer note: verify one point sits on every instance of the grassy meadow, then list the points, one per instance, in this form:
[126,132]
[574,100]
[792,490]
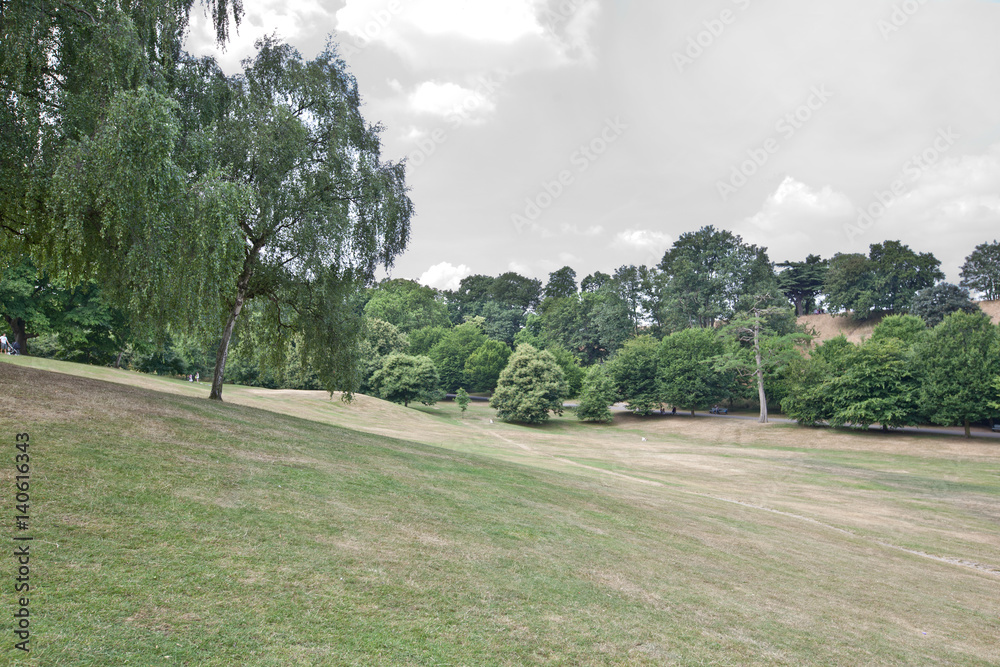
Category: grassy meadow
[286,528]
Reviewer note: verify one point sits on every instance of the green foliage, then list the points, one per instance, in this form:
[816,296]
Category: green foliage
[709,275]
[562,284]
[125,214]
[404,378]
[594,281]
[571,369]
[763,341]
[630,284]
[900,273]
[407,305]
[885,281]
[380,340]
[807,400]
[597,395]
[957,362]
[907,328]
[981,270]
[634,371]
[878,386]
[422,340]
[592,325]
[802,282]
[468,300]
[328,211]
[934,303]
[176,355]
[501,323]
[462,400]
[453,350]
[512,290]
[63,67]
[483,367]
[850,285]
[688,376]
[531,386]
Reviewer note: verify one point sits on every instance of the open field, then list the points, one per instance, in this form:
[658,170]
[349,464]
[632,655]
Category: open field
[318,532]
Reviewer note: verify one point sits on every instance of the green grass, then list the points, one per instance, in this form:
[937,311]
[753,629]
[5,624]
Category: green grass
[173,530]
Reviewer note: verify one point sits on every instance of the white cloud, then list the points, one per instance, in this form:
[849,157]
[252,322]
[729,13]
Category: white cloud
[644,239]
[795,204]
[499,21]
[797,220]
[450,99]
[444,276]
[517,35]
[953,206]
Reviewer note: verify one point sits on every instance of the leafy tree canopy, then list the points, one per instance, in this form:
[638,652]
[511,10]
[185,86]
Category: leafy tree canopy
[981,270]
[634,371]
[404,378]
[802,282]
[453,350]
[323,210]
[530,387]
[688,376]
[596,397]
[562,283]
[483,367]
[885,281]
[878,386]
[907,328]
[957,362]
[594,281]
[709,275]
[934,303]
[407,305]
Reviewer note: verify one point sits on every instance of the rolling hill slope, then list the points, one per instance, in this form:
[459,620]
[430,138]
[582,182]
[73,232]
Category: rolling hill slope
[174,530]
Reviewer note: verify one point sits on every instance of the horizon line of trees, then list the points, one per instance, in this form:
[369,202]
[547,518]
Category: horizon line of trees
[717,302]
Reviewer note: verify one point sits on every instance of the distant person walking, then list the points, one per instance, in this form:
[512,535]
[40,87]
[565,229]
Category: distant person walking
[197,377]
[3,344]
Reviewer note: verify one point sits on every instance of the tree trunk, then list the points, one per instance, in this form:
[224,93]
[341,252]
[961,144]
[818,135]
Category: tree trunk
[968,431]
[760,393]
[118,359]
[18,328]
[227,333]
[760,372]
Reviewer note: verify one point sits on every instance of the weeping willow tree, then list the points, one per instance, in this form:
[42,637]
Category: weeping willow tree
[99,180]
[186,194]
[322,210]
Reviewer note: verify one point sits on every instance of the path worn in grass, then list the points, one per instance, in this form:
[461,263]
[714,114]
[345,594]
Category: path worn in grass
[168,525]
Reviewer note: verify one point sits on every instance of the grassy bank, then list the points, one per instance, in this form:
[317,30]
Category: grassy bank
[173,530]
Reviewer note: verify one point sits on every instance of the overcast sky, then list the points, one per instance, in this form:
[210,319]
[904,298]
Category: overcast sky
[541,133]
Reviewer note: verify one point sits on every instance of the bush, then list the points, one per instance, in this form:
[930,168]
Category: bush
[404,378]
[530,387]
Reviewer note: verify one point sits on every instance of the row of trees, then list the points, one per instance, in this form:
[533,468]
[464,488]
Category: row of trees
[905,374]
[470,332]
